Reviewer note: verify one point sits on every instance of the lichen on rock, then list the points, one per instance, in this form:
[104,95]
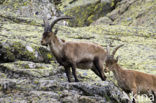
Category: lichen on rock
[18,51]
[85,14]
[135,13]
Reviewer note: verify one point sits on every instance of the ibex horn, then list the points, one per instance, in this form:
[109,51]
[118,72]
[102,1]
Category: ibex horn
[58,19]
[113,53]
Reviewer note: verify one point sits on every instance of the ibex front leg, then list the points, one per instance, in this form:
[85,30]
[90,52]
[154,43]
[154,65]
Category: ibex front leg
[99,66]
[154,93]
[96,71]
[74,72]
[67,70]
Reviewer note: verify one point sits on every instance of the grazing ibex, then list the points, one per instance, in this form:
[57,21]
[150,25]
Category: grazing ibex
[130,80]
[74,54]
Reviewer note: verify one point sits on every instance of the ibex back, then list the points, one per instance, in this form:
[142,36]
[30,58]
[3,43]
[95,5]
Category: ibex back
[81,55]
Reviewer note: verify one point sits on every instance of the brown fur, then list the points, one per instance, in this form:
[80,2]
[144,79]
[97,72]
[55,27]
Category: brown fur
[130,80]
[81,55]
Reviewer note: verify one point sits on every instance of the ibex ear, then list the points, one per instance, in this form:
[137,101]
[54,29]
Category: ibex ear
[108,50]
[116,60]
[56,30]
[46,24]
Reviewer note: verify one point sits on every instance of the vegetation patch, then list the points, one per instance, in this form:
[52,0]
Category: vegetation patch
[17,51]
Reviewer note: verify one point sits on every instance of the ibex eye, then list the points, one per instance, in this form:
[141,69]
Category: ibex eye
[45,34]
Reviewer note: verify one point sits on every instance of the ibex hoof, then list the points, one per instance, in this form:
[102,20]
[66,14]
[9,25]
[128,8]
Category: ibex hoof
[103,79]
[77,80]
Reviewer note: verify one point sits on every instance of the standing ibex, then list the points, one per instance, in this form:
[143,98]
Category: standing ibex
[74,54]
[130,80]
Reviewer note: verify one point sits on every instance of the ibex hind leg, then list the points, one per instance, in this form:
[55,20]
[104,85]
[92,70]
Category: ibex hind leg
[134,91]
[99,67]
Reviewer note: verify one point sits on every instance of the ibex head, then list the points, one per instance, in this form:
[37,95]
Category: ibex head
[48,34]
[110,60]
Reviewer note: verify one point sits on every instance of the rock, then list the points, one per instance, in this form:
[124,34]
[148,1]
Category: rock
[102,21]
[1,2]
[86,12]
[85,99]
[31,8]
[29,48]
[135,13]
[26,69]
[22,83]
[7,85]
[14,73]
[105,89]
[90,92]
[10,52]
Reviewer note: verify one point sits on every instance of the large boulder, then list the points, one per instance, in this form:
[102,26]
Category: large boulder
[11,51]
[135,13]
[85,12]
[92,92]
[102,21]
[1,2]
[46,83]
[30,8]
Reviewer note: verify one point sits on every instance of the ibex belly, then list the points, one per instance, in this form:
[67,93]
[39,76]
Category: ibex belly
[85,65]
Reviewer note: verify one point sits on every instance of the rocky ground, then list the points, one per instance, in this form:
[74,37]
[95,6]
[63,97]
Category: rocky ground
[29,72]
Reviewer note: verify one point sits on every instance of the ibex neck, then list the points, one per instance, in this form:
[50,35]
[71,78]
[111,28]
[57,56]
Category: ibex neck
[116,69]
[56,46]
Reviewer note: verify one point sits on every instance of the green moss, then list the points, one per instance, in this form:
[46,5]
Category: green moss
[90,19]
[49,56]
[36,82]
[44,53]
[44,88]
[17,3]
[34,23]
[107,98]
[1,88]
[86,14]
[8,55]
[2,1]
[112,3]
[26,66]
[22,53]
[59,92]
[85,99]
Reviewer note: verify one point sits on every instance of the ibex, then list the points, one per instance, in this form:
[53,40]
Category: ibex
[81,55]
[130,80]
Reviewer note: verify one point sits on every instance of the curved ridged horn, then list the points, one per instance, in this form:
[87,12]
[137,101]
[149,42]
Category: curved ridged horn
[58,19]
[114,51]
